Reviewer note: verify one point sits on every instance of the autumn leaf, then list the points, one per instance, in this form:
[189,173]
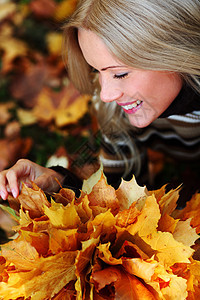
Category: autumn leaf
[48,277]
[65,9]
[167,223]
[54,43]
[104,195]
[127,286]
[191,210]
[6,10]
[12,48]
[62,216]
[129,192]
[32,199]
[22,254]
[43,8]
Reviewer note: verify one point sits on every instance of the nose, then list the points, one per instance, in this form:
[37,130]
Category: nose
[109,91]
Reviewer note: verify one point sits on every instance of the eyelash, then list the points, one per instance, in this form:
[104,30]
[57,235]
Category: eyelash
[121,76]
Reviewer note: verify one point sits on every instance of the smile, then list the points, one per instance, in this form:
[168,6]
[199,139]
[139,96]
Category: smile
[133,107]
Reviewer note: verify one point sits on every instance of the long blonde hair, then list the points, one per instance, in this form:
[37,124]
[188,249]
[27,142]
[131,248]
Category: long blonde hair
[144,34]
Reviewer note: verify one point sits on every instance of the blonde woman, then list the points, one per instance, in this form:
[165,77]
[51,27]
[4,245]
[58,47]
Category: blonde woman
[141,59]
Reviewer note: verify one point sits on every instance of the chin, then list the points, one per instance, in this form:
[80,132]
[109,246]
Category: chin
[140,123]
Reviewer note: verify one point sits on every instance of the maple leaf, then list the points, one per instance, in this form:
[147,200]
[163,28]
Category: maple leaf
[126,286]
[168,202]
[184,233]
[54,43]
[104,195]
[32,199]
[127,216]
[21,253]
[12,48]
[167,223]
[191,210]
[128,192]
[62,216]
[43,8]
[47,278]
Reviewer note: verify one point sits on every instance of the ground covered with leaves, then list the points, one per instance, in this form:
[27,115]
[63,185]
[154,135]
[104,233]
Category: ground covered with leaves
[106,244]
[35,93]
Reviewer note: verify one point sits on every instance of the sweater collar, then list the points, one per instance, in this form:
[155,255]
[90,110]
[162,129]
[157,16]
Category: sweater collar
[187,101]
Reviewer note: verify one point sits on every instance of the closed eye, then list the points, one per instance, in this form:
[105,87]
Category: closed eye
[120,76]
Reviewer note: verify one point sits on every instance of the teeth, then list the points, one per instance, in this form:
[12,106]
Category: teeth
[130,106]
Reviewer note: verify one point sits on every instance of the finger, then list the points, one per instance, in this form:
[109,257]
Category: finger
[3,182]
[12,179]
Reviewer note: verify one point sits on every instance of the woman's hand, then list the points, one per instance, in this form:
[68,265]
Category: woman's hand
[26,171]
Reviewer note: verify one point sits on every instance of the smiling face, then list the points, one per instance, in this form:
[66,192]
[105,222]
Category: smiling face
[144,95]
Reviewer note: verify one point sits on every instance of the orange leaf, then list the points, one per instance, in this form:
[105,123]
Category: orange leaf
[127,287]
[21,254]
[33,200]
[127,216]
[167,223]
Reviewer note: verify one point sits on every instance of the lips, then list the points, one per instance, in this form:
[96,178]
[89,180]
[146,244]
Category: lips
[132,107]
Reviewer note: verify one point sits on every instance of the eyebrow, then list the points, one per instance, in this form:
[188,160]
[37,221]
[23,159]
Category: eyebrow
[111,67]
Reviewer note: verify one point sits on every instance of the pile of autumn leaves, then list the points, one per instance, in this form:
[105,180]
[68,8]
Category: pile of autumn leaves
[107,244]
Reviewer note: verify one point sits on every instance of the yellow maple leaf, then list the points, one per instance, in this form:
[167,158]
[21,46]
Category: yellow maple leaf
[62,216]
[73,112]
[168,202]
[169,251]
[21,254]
[54,43]
[12,48]
[147,221]
[47,278]
[167,223]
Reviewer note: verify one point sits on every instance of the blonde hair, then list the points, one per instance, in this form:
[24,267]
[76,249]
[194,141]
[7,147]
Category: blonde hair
[144,34]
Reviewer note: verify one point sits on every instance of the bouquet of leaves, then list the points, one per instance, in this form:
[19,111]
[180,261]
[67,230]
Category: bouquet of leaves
[128,243]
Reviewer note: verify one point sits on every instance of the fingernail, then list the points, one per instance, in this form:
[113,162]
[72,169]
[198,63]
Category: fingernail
[3,195]
[14,193]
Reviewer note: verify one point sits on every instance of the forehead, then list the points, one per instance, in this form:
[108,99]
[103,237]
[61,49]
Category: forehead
[94,50]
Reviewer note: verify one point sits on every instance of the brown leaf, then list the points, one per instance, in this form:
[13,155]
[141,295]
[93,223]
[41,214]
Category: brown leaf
[21,254]
[28,83]
[43,8]
[12,130]
[33,200]
[104,195]
[5,114]
[12,150]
